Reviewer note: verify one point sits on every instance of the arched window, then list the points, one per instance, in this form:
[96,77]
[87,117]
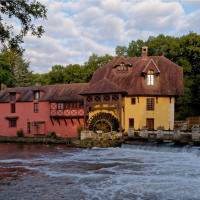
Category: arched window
[150,77]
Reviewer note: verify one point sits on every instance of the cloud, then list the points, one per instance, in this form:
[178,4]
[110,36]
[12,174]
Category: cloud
[76,29]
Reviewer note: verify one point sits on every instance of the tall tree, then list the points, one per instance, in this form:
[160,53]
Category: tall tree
[19,67]
[134,48]
[26,12]
[6,76]
[56,75]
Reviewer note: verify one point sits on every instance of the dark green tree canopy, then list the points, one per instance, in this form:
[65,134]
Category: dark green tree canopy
[26,12]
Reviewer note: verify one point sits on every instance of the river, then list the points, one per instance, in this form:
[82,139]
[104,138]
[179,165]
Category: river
[46,172]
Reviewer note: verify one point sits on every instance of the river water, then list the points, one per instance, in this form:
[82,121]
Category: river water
[132,172]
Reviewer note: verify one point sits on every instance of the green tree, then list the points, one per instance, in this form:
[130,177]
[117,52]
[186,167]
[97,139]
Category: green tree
[26,12]
[19,67]
[121,50]
[134,48]
[43,79]
[56,75]
[93,63]
[6,76]
[74,74]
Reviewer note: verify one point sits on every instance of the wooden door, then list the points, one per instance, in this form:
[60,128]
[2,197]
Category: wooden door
[36,128]
[150,124]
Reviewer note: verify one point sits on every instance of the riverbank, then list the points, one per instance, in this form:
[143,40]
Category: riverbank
[105,142]
[70,142]
[39,140]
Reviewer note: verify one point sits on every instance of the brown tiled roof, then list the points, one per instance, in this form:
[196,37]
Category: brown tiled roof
[58,92]
[107,80]
[102,86]
[120,60]
[170,77]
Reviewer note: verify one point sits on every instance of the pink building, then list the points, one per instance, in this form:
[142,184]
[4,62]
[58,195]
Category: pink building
[39,110]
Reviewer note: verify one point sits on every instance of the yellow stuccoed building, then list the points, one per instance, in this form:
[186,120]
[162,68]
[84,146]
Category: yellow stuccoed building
[133,93]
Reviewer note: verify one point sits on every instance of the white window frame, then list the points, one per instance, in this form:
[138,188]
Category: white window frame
[150,78]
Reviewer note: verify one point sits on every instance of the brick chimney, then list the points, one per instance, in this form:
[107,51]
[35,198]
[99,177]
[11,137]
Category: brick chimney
[144,51]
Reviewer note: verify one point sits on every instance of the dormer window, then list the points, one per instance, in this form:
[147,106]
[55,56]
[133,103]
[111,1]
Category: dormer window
[36,95]
[150,77]
[122,67]
[12,96]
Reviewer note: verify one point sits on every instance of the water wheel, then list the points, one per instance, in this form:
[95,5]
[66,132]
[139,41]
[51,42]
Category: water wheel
[105,122]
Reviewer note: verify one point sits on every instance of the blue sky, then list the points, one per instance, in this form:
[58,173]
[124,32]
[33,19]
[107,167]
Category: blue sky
[77,28]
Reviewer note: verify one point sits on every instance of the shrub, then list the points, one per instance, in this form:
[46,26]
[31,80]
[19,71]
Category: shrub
[20,133]
[161,128]
[52,135]
[69,141]
[79,129]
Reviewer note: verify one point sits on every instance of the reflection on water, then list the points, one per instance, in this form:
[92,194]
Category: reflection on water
[131,172]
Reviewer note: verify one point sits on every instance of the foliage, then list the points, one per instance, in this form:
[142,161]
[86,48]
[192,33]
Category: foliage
[6,76]
[24,12]
[14,69]
[72,73]
[20,133]
[52,135]
[68,140]
[121,51]
[183,50]
[79,129]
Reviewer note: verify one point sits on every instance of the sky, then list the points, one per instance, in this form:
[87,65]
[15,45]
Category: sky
[75,29]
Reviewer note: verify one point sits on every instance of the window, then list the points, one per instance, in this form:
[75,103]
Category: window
[150,124]
[122,67]
[131,122]
[28,127]
[36,107]
[12,96]
[115,97]
[150,103]
[150,77]
[133,101]
[60,106]
[106,97]
[12,123]
[36,95]
[12,108]
[89,99]
[97,98]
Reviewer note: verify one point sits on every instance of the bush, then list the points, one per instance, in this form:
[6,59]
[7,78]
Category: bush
[161,128]
[52,135]
[69,141]
[79,129]
[20,133]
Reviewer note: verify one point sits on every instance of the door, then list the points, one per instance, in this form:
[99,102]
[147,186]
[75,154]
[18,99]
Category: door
[150,124]
[36,127]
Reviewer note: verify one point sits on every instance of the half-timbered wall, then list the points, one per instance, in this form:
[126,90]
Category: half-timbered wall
[67,109]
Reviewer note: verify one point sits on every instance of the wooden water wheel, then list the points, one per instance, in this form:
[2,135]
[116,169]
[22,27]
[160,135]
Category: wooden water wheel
[105,122]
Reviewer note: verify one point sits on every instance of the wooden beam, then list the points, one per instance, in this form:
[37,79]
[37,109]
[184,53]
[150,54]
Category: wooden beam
[120,112]
[79,121]
[65,121]
[85,111]
[58,120]
[52,121]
